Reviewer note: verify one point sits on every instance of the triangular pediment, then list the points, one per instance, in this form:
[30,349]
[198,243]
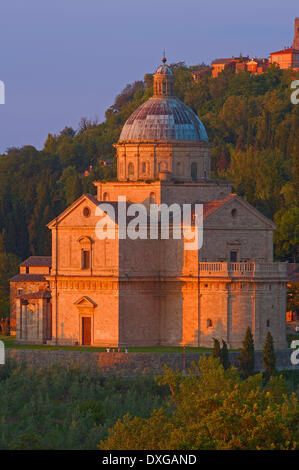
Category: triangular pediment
[84,198]
[236,201]
[85,302]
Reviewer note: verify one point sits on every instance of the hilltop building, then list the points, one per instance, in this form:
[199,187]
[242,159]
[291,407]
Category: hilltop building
[240,64]
[286,58]
[289,56]
[149,292]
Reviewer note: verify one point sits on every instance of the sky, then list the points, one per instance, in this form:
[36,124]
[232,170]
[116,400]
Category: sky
[61,60]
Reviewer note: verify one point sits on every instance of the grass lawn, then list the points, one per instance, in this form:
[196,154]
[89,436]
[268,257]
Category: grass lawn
[10,342]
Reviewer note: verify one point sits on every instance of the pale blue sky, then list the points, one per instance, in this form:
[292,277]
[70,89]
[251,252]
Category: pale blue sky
[64,59]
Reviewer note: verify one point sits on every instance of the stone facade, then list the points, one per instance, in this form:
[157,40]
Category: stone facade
[152,160]
[148,292]
[28,283]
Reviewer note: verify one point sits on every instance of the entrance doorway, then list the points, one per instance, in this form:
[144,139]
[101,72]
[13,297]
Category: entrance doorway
[86,330]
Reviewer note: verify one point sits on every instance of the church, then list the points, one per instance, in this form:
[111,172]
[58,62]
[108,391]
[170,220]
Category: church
[155,292]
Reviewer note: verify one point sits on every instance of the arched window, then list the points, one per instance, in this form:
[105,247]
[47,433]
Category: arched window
[209,323]
[131,169]
[143,167]
[268,323]
[106,197]
[194,171]
[162,166]
[86,249]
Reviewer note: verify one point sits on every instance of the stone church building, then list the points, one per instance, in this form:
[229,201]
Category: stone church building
[148,292]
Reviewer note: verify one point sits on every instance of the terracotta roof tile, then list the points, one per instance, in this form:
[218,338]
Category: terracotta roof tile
[37,261]
[286,51]
[211,207]
[222,61]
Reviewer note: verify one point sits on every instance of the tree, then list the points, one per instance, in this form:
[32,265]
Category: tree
[50,144]
[286,237]
[8,268]
[70,184]
[269,356]
[225,356]
[214,409]
[216,349]
[247,355]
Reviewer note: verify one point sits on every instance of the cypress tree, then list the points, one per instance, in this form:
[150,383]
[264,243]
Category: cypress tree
[216,349]
[247,355]
[225,356]
[269,359]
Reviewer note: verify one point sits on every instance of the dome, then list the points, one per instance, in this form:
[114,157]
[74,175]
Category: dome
[163,118]
[164,70]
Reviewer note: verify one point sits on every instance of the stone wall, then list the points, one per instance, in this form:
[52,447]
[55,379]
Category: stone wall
[127,364]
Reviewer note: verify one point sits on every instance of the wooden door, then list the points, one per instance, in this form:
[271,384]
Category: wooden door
[86,330]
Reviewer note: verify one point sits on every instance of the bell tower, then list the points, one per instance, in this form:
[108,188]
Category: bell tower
[295,44]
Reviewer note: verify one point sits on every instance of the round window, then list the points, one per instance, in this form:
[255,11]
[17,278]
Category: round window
[86,212]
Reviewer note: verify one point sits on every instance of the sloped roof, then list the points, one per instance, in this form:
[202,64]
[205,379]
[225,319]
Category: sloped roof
[28,278]
[222,61]
[286,51]
[210,207]
[213,206]
[37,261]
[91,198]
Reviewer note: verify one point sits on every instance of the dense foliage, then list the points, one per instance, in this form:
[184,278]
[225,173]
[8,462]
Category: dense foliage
[213,408]
[250,120]
[67,407]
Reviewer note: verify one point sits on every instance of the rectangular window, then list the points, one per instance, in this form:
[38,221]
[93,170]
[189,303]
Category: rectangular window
[233,257]
[85,259]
